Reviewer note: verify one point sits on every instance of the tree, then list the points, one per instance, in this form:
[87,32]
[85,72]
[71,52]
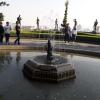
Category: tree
[65,14]
[3,3]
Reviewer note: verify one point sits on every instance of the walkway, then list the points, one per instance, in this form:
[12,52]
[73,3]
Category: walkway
[31,44]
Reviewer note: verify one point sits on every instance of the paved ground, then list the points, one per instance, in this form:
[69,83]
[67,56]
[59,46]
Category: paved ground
[84,48]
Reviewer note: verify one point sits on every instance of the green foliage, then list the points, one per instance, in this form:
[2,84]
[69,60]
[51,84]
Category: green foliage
[65,14]
[90,36]
[83,34]
[3,3]
[41,31]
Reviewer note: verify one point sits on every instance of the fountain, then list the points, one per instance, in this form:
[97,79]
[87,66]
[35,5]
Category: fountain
[49,67]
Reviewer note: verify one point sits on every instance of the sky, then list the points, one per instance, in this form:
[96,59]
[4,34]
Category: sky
[85,11]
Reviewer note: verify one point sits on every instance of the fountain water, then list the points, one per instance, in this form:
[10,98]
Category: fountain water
[50,67]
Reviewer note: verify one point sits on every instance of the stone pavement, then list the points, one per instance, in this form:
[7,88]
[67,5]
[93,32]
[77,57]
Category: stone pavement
[31,44]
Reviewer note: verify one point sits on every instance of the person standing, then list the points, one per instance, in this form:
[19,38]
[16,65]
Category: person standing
[18,31]
[67,32]
[1,33]
[7,29]
[74,31]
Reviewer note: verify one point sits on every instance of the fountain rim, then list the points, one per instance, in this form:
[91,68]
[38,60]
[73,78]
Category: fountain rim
[35,59]
[35,47]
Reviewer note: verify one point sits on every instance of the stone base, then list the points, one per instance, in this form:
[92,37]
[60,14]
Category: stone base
[48,72]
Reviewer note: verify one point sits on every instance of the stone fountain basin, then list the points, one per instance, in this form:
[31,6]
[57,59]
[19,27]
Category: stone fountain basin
[56,70]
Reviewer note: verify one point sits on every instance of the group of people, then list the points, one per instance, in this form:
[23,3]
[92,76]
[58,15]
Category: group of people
[6,30]
[70,34]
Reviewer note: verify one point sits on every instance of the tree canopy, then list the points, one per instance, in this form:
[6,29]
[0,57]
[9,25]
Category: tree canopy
[65,14]
[3,3]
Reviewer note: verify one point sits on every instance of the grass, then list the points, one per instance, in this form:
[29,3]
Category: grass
[81,37]
[45,32]
[32,32]
[90,36]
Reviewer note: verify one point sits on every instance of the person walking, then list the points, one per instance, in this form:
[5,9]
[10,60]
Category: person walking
[7,29]
[18,31]
[1,33]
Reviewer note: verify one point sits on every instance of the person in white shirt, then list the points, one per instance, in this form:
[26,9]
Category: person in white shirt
[7,29]
[74,34]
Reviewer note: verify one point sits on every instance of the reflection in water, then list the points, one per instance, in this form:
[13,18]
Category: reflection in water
[8,57]
[18,57]
[14,86]
[5,56]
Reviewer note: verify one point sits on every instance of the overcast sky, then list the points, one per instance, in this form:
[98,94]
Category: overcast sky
[85,11]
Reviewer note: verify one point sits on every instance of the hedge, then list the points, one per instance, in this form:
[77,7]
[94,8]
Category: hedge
[81,37]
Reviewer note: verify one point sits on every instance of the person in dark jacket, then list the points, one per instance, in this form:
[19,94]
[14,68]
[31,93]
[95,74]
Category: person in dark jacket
[67,32]
[18,30]
[1,33]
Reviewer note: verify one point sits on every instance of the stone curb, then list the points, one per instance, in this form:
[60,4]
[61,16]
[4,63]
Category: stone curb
[39,46]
